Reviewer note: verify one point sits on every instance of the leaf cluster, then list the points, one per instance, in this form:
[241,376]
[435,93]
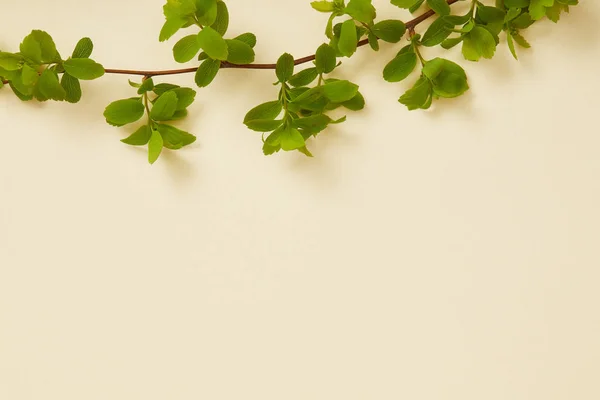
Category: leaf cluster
[161,103]
[34,71]
[300,112]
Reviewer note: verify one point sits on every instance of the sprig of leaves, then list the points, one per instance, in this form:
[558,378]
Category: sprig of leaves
[34,71]
[300,112]
[209,44]
[306,97]
[161,103]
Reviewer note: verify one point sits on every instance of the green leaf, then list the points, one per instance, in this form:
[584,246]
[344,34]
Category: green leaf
[72,88]
[207,72]
[313,124]
[439,6]
[326,60]
[448,78]
[356,103]
[49,86]
[213,44]
[29,76]
[173,138]
[83,68]
[478,43]
[268,111]
[155,146]
[419,96]
[511,45]
[400,67]
[123,112]
[361,10]
[141,137]
[285,67]
[146,86]
[248,38]
[164,107]
[389,30]
[304,77]
[520,40]
[185,97]
[221,24]
[348,39]
[291,139]
[264,125]
[10,62]
[170,28]
[206,12]
[340,91]
[323,6]
[537,8]
[84,48]
[439,30]
[239,52]
[163,87]
[39,47]
[186,48]
[373,41]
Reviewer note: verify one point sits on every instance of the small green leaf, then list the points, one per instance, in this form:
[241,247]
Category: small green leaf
[186,48]
[213,44]
[207,72]
[340,91]
[326,60]
[269,111]
[221,24]
[389,30]
[83,49]
[173,138]
[239,52]
[83,68]
[155,146]
[146,86]
[361,10]
[348,39]
[72,88]
[285,67]
[304,77]
[323,6]
[400,67]
[164,107]
[10,62]
[49,86]
[439,30]
[248,38]
[206,11]
[291,139]
[439,6]
[123,112]
[141,137]
[419,96]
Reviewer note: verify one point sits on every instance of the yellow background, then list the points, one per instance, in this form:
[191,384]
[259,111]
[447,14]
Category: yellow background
[439,255]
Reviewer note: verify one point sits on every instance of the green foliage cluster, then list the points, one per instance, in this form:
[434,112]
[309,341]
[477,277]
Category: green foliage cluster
[34,71]
[161,103]
[307,97]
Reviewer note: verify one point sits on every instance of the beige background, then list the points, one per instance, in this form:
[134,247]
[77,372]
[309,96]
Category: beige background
[449,254]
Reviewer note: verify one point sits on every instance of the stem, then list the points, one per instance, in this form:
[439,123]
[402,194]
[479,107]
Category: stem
[409,25]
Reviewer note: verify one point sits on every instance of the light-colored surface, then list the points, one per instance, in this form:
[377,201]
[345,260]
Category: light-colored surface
[450,254]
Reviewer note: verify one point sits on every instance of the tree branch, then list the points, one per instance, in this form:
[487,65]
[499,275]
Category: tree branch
[410,25]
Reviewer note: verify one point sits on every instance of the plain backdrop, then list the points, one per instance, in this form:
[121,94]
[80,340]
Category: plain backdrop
[446,254]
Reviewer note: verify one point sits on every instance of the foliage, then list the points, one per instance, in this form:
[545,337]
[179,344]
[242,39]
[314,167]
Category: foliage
[307,97]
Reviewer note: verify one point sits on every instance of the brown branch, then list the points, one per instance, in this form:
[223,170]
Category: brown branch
[410,25]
